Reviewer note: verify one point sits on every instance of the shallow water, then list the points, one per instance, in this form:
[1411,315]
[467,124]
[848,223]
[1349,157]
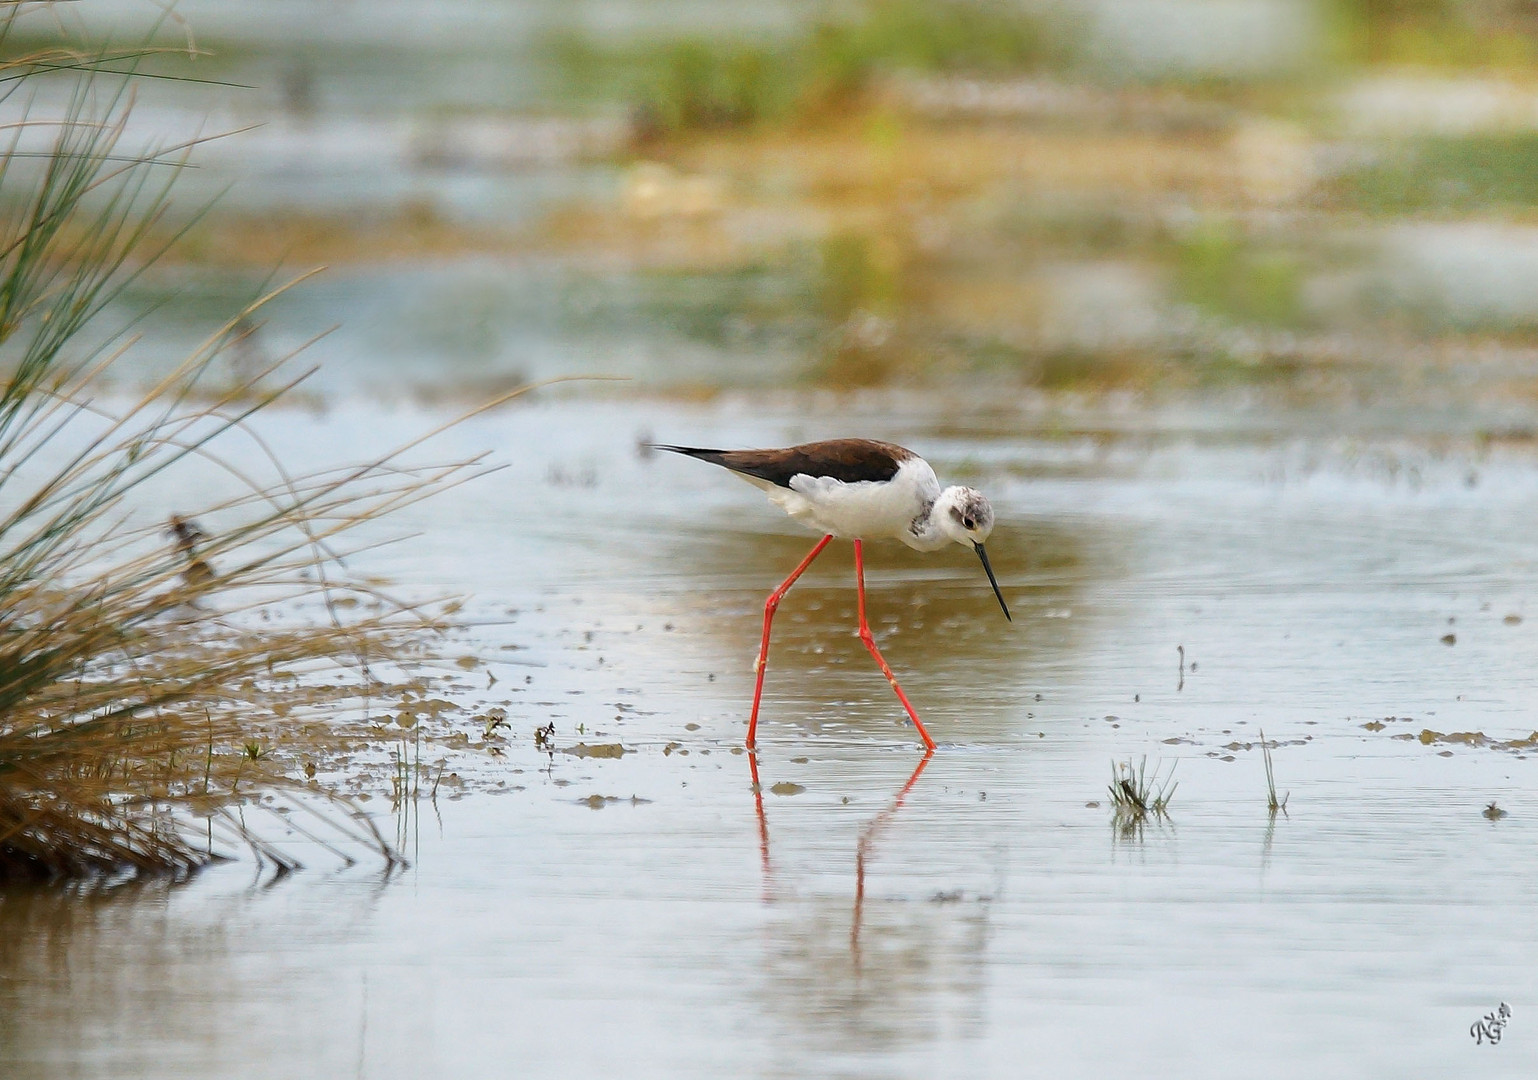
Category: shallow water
[670,927]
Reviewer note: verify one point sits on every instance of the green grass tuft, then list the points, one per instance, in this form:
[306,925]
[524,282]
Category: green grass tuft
[1137,793]
[1272,803]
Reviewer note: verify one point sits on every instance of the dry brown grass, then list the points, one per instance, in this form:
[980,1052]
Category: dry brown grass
[144,681]
[146,678]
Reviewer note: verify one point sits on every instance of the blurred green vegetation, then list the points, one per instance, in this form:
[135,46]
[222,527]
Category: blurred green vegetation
[790,196]
[1217,270]
[855,277]
[759,306]
[859,288]
[1447,33]
[703,83]
[1462,173]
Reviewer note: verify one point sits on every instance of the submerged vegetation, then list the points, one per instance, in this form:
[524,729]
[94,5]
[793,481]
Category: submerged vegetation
[146,671]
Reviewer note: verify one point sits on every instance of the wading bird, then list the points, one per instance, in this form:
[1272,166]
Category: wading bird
[188,536]
[858,489]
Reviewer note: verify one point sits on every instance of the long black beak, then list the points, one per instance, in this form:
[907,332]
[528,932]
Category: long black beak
[982,553]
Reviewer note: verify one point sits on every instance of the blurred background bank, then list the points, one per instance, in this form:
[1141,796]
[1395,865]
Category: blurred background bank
[1321,202]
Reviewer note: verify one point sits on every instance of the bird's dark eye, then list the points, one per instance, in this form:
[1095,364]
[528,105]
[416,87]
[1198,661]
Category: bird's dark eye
[967,523]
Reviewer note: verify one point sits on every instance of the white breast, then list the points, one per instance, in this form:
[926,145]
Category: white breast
[863,510]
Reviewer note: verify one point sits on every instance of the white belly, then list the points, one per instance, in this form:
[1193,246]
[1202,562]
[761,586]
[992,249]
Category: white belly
[863,510]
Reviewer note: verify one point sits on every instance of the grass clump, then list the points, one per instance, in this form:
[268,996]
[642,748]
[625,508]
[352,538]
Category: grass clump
[149,676]
[1136,793]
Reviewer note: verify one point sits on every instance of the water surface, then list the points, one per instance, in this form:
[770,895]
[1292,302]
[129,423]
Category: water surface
[1177,587]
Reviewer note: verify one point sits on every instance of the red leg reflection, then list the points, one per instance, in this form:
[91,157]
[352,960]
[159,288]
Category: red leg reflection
[763,822]
[763,649]
[866,838]
[870,643]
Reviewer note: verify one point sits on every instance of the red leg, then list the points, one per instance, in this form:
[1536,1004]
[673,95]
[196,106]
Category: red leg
[870,643]
[763,649]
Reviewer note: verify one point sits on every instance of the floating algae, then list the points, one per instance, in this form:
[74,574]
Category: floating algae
[597,750]
[598,802]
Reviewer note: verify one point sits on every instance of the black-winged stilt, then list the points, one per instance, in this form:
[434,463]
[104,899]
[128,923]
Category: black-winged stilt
[858,489]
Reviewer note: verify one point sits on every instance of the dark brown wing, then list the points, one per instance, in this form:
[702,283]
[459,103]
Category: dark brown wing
[849,460]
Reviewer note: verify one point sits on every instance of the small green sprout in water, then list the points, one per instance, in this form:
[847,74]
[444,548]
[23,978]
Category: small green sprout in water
[1271,801]
[256,751]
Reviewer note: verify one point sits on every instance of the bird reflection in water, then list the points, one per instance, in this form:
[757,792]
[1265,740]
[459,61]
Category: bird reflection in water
[862,850]
[867,838]
[896,970]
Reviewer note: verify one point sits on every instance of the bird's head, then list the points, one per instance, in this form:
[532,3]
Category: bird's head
[965,516]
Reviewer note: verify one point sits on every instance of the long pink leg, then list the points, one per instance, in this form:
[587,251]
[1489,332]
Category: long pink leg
[763,649]
[870,643]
